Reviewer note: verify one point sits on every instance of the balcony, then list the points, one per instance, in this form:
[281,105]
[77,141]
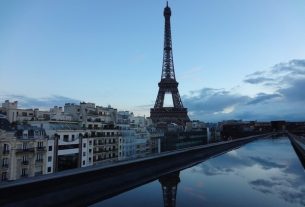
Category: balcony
[5,165]
[26,150]
[5,152]
[4,179]
[41,149]
[39,161]
[25,162]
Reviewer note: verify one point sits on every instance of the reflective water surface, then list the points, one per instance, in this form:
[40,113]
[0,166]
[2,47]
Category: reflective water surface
[266,172]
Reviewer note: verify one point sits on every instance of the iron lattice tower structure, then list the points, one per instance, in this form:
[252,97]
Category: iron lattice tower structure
[168,84]
[169,184]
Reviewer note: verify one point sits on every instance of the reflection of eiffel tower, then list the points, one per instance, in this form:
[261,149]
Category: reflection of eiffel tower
[169,184]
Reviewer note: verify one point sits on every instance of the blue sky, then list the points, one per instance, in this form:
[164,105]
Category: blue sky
[234,59]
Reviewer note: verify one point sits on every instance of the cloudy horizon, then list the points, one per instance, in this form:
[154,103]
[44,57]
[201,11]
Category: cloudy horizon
[285,80]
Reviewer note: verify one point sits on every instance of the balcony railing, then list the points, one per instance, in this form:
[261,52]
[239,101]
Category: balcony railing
[4,165]
[26,150]
[41,148]
[4,178]
[39,161]
[25,162]
[5,152]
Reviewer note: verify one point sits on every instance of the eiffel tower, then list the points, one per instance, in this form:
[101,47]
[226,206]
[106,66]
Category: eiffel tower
[168,84]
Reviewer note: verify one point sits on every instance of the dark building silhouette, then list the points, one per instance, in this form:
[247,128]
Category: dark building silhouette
[168,84]
[169,184]
[278,125]
[4,123]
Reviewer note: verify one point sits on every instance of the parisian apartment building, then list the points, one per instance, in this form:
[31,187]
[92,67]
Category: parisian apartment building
[34,142]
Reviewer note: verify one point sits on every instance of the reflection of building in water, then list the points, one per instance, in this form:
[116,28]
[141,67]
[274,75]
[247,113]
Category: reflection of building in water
[169,184]
[193,134]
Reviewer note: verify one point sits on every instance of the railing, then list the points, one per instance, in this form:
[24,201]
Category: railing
[4,179]
[101,151]
[41,148]
[5,152]
[39,161]
[5,165]
[25,162]
[25,150]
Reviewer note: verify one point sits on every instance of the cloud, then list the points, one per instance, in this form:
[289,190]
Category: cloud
[283,188]
[295,67]
[258,80]
[263,97]
[264,183]
[266,164]
[281,96]
[42,103]
[211,101]
[296,92]
[218,104]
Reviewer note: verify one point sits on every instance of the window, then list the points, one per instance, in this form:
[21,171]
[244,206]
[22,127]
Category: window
[4,176]
[66,138]
[49,159]
[50,148]
[40,144]
[24,145]
[5,149]
[49,169]
[84,153]
[73,137]
[24,158]
[90,142]
[5,162]
[84,145]
[23,172]
[39,157]
[84,162]
[90,150]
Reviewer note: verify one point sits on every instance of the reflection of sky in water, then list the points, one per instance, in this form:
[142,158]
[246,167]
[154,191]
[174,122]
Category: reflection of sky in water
[262,173]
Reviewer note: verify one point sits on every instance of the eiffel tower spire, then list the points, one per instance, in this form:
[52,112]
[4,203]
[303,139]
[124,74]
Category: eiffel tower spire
[168,84]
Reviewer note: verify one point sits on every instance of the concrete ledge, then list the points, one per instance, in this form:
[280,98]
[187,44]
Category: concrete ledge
[85,186]
[299,147]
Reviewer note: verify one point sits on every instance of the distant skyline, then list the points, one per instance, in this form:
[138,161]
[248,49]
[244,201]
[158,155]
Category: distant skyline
[233,59]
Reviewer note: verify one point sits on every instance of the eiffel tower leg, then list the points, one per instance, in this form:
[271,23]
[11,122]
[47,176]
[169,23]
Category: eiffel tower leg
[160,99]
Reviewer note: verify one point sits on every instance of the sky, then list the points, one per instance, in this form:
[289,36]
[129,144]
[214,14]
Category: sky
[234,59]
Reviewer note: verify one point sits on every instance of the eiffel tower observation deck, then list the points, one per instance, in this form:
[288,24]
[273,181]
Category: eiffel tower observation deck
[168,84]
